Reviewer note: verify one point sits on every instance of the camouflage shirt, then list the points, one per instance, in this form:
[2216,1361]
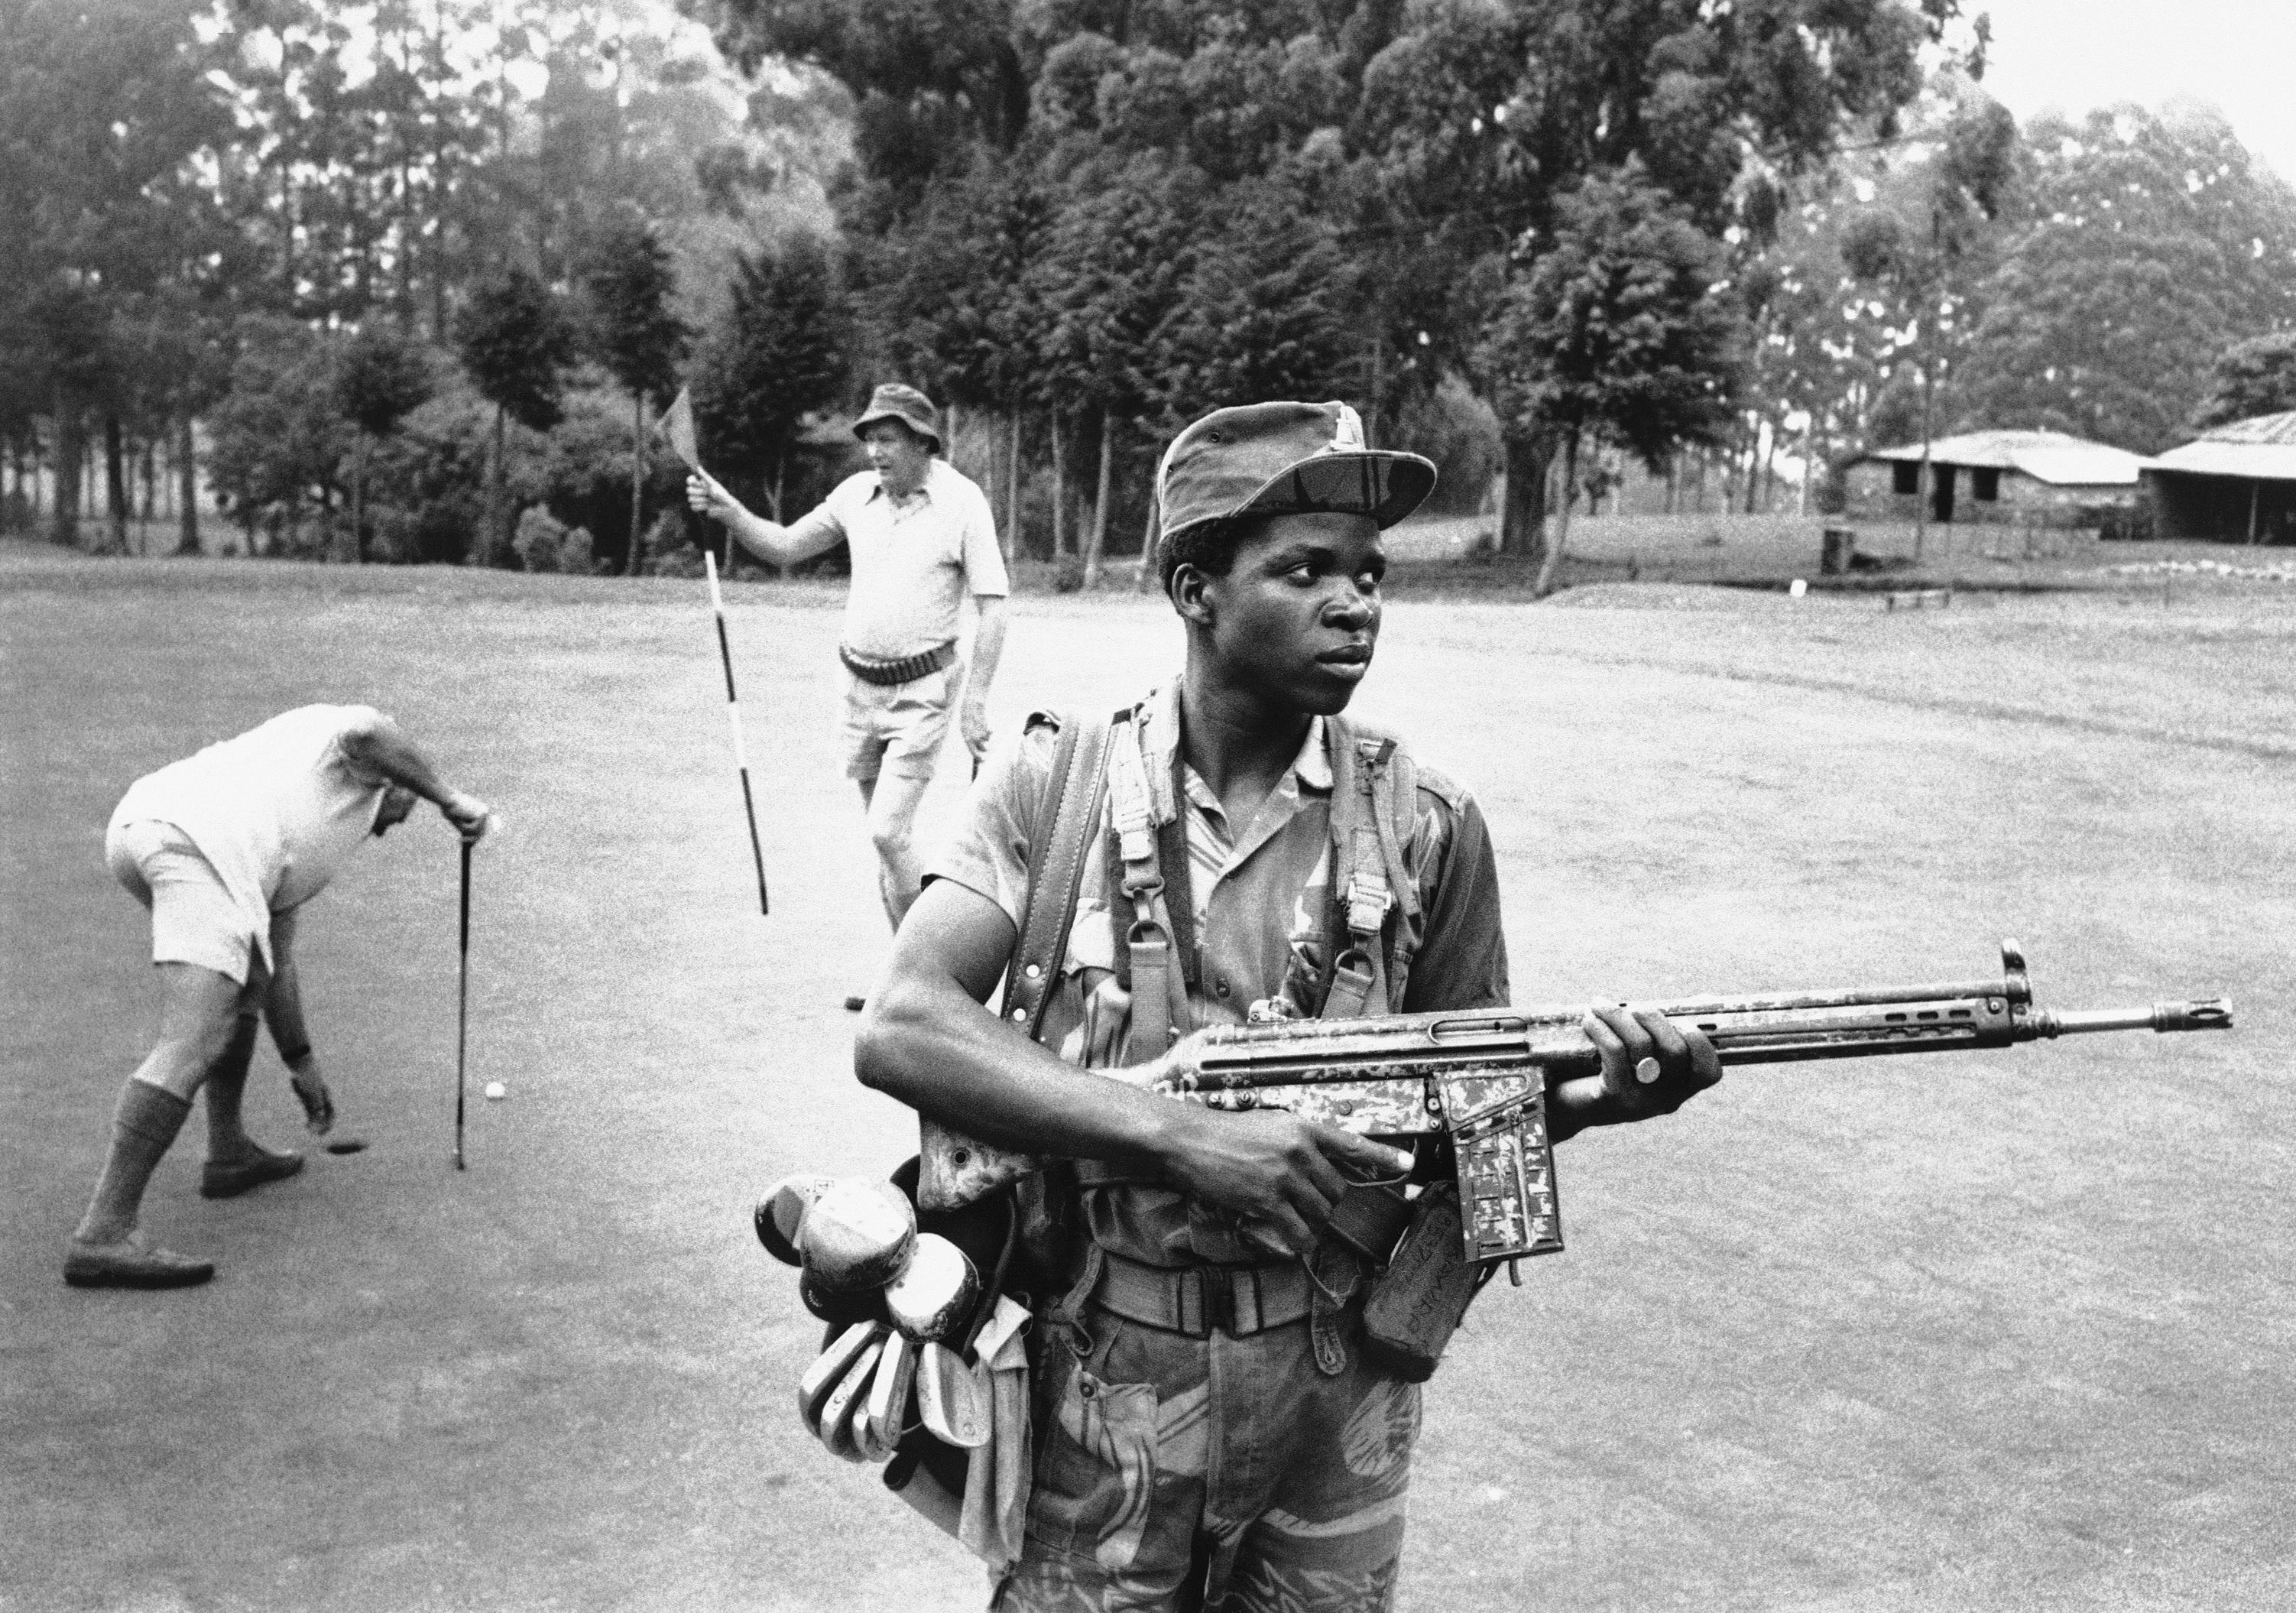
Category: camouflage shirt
[1263,917]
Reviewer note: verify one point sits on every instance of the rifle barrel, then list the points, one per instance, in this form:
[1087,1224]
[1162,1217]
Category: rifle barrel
[2205,1014]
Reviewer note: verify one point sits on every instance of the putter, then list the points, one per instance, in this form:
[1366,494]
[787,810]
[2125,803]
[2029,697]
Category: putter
[463,1008]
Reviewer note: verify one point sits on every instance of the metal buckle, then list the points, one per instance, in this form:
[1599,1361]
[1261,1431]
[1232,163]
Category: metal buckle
[1368,899]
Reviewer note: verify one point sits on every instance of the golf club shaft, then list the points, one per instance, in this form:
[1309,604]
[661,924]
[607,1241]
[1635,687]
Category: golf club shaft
[462,1006]
[734,715]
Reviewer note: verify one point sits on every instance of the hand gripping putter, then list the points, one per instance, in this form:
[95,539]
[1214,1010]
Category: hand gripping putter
[734,712]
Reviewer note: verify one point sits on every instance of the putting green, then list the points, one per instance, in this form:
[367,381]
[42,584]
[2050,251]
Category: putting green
[1989,1332]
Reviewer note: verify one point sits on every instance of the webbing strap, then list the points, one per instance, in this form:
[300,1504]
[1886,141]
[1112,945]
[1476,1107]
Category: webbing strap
[1160,1009]
[1056,871]
[1369,878]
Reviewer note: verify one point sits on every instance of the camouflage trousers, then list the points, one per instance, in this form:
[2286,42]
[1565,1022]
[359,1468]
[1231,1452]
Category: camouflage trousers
[1213,1476]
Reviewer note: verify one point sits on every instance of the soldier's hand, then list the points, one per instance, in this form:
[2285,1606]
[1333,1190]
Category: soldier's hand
[1273,1168]
[1651,1065]
[467,814]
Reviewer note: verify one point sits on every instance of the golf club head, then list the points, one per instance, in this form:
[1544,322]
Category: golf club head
[889,1392]
[780,1214]
[857,1235]
[841,1309]
[953,1397]
[829,1368]
[850,1399]
[935,1292]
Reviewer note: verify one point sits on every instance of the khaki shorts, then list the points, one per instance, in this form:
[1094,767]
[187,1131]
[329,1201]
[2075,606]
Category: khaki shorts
[193,918]
[896,727]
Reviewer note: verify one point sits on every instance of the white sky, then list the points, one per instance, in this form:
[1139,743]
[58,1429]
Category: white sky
[2240,56]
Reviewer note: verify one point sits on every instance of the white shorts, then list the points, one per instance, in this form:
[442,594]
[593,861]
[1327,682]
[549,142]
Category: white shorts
[896,727]
[193,918]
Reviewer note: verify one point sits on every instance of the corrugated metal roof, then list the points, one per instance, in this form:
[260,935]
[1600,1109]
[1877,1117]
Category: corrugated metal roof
[2264,461]
[2262,447]
[2050,457]
[2260,428]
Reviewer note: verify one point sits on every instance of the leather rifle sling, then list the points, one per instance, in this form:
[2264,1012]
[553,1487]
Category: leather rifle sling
[1055,871]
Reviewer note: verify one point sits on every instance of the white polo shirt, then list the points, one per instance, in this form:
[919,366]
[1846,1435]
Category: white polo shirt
[913,562]
[277,810]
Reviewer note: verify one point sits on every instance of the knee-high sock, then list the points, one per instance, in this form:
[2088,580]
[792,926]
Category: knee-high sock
[226,1083]
[142,1127]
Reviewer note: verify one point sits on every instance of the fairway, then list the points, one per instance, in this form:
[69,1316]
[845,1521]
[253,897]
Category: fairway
[1996,1331]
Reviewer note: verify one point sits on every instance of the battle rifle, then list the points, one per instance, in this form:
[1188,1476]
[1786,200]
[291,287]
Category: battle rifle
[1481,1078]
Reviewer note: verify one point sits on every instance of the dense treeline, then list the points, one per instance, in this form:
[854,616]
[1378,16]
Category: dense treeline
[409,268]
[409,279]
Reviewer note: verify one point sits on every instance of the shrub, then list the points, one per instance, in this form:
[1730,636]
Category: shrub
[669,548]
[545,543]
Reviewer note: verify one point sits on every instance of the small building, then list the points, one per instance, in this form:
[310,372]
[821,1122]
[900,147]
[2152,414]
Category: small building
[2237,484]
[2037,478]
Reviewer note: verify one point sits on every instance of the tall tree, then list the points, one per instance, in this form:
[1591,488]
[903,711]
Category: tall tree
[781,351]
[105,118]
[383,377]
[515,343]
[1620,332]
[1443,131]
[2255,377]
[2155,243]
[1123,255]
[636,333]
[1479,119]
[278,435]
[1918,249]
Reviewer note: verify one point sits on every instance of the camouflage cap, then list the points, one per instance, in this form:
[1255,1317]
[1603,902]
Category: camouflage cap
[905,403]
[1284,458]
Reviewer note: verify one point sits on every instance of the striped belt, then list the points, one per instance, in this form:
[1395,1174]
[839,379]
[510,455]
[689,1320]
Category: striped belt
[1198,1300]
[868,668]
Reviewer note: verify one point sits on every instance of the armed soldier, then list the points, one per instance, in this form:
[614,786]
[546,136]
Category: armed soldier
[1214,1434]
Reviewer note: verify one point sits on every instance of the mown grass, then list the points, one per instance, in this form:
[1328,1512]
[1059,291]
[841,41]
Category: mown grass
[1998,1331]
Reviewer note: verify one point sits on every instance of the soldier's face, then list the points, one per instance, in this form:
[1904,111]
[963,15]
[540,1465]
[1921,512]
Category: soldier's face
[1296,618]
[898,456]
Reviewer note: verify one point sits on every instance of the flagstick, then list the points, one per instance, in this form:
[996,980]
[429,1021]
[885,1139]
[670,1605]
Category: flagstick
[734,711]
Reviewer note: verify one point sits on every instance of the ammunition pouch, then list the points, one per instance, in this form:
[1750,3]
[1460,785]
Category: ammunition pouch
[1418,1302]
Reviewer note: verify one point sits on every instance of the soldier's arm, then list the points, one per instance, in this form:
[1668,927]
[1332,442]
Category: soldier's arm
[928,1039]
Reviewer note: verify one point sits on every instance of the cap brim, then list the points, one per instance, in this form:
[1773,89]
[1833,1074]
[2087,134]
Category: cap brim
[1378,482]
[866,421]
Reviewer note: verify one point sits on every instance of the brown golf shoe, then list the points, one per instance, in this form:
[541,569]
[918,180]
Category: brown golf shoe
[230,1180]
[134,1261]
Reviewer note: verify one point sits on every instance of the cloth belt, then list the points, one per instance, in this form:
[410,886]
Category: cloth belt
[870,670]
[1194,1300]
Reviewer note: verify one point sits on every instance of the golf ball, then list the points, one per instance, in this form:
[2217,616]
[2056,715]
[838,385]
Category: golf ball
[494,1088]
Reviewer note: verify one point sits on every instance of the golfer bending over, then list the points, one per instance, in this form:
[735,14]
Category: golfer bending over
[922,536]
[224,848]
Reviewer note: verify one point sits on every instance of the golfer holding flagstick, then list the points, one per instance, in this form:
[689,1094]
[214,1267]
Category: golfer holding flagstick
[224,848]
[922,536]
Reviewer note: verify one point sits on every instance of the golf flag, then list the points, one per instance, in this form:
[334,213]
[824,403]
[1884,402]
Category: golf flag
[676,428]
